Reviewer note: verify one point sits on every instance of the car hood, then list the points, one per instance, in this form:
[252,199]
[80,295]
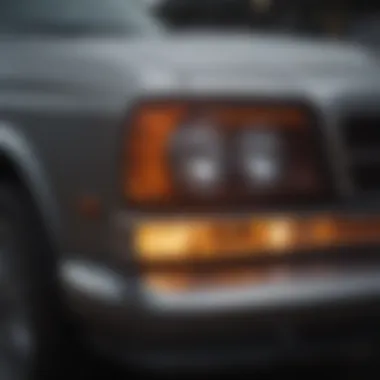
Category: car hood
[190,63]
[226,63]
[236,52]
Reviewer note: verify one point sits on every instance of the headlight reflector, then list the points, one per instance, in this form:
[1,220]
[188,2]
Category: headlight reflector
[261,158]
[198,158]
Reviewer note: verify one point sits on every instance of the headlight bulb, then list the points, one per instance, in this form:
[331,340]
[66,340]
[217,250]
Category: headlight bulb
[198,158]
[261,158]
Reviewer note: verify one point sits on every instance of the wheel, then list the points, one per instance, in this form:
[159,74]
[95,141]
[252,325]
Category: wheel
[29,327]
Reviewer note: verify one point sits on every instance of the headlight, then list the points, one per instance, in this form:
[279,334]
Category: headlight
[261,158]
[198,158]
[215,155]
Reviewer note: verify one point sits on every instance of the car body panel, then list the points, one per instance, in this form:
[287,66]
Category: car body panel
[70,98]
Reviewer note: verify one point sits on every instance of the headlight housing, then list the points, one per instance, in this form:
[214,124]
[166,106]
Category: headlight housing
[223,155]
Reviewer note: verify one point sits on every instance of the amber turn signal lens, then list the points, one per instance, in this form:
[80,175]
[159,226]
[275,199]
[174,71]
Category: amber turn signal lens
[180,241]
[148,175]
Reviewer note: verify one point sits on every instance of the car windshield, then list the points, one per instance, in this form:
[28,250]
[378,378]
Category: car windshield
[74,16]
[358,20]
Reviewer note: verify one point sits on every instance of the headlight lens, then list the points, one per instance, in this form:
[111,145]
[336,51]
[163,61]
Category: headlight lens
[261,158]
[184,155]
[198,158]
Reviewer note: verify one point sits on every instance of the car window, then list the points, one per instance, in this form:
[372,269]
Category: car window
[76,16]
[338,19]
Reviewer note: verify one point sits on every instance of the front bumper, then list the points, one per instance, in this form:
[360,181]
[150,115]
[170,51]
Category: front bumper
[305,316]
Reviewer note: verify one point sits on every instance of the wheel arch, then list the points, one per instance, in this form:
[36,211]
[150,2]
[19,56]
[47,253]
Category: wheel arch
[20,164]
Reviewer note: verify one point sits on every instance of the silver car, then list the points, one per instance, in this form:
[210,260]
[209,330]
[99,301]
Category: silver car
[182,200]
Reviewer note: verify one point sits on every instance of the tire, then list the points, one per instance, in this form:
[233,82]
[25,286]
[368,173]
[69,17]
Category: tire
[30,336]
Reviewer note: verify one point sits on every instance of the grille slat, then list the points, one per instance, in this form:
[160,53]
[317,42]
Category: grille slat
[362,141]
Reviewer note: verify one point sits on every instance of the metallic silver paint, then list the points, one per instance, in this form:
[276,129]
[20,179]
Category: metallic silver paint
[69,98]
